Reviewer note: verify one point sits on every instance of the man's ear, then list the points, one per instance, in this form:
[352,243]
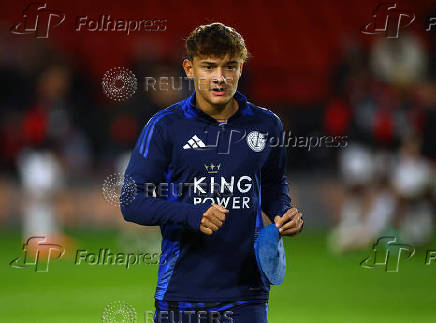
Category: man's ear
[187,66]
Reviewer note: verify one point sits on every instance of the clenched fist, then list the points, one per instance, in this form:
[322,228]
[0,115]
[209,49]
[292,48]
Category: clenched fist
[213,219]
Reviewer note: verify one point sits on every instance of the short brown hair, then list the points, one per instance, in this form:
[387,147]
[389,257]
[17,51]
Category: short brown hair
[215,39]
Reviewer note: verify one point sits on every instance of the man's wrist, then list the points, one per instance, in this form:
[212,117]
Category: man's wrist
[194,217]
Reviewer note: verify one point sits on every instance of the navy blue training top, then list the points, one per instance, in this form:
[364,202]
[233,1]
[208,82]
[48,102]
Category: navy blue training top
[182,162]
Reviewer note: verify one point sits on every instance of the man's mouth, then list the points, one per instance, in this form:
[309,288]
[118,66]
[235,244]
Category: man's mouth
[219,90]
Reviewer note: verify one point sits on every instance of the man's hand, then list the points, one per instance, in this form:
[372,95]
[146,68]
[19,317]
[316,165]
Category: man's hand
[213,219]
[290,223]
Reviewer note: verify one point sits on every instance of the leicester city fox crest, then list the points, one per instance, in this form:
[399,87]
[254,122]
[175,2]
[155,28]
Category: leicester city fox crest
[256,141]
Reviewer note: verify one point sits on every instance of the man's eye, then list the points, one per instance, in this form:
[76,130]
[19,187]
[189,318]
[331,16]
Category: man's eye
[207,67]
[231,67]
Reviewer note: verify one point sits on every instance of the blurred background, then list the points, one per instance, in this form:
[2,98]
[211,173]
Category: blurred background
[61,138]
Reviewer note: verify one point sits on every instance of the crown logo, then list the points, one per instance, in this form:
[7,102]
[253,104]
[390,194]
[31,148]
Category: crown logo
[212,168]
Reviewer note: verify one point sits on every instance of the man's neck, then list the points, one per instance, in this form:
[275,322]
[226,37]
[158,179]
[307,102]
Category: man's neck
[219,113]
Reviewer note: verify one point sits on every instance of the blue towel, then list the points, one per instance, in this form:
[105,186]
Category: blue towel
[270,254]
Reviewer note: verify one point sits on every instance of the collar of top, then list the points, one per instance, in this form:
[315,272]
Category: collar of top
[191,110]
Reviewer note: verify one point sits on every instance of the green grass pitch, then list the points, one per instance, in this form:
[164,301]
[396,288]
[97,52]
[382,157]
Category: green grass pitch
[319,287]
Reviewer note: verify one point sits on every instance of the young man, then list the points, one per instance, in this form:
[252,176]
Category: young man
[215,163]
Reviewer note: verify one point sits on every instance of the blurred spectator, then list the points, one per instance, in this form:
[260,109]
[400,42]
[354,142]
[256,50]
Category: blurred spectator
[411,181]
[385,177]
[399,61]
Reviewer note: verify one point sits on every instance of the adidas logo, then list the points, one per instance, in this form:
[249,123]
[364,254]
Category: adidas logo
[194,142]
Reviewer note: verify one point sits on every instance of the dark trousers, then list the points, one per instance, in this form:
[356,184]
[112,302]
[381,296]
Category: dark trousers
[244,313]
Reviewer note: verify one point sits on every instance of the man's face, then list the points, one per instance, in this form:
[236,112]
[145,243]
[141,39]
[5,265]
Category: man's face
[215,78]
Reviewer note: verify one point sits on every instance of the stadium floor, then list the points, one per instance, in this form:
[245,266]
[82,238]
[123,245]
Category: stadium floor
[319,286]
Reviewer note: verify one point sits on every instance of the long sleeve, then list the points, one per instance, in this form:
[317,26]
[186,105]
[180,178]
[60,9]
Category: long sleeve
[148,166]
[274,184]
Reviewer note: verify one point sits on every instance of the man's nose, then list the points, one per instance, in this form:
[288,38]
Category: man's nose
[219,76]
